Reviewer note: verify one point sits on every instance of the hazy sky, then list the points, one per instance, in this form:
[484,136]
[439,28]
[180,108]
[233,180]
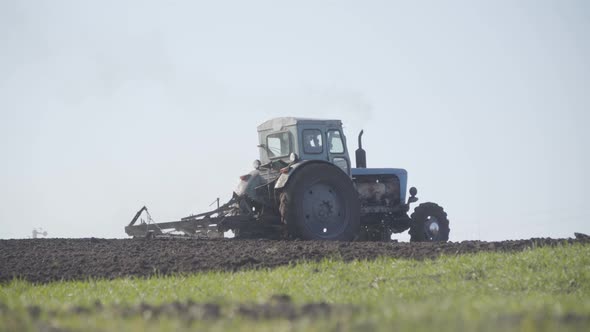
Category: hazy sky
[109,105]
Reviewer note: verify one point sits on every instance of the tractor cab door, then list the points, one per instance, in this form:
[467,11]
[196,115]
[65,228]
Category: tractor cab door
[312,143]
[320,143]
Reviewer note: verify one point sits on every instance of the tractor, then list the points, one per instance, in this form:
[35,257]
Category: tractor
[303,186]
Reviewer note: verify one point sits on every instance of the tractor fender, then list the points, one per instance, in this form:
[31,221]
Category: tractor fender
[283,179]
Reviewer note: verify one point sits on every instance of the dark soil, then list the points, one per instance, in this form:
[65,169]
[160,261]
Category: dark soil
[46,260]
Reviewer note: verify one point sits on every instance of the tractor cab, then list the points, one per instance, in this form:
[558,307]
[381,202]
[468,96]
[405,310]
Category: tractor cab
[290,139]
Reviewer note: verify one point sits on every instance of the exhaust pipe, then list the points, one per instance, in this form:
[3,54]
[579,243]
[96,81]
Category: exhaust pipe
[361,155]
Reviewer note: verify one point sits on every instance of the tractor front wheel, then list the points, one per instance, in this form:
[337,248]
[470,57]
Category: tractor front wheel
[321,203]
[429,224]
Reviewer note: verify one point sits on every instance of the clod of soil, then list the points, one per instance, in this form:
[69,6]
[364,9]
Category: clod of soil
[47,260]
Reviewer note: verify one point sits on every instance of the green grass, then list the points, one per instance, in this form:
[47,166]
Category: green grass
[539,289]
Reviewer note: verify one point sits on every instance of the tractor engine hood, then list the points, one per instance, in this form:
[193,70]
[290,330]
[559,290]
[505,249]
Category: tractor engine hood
[401,174]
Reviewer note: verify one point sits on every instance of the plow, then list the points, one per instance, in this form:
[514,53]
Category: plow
[303,186]
[208,225]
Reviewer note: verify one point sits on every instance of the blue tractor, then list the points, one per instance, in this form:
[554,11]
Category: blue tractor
[303,186]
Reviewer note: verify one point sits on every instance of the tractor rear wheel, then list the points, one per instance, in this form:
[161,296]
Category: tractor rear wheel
[321,203]
[429,224]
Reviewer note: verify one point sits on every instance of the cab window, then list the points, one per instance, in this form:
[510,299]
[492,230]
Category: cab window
[335,141]
[278,145]
[312,141]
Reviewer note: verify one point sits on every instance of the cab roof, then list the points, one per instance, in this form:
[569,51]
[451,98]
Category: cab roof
[277,124]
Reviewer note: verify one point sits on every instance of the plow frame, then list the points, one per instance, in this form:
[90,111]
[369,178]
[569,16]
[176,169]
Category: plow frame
[205,225]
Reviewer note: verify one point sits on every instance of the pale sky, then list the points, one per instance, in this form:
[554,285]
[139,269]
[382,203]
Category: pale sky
[109,105]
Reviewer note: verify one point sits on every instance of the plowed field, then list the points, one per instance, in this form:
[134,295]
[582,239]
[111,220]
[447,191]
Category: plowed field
[46,260]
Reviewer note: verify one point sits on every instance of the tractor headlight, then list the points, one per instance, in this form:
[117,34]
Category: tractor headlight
[256,164]
[413,191]
[293,157]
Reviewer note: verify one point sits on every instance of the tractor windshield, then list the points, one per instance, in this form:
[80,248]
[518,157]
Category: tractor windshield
[278,145]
